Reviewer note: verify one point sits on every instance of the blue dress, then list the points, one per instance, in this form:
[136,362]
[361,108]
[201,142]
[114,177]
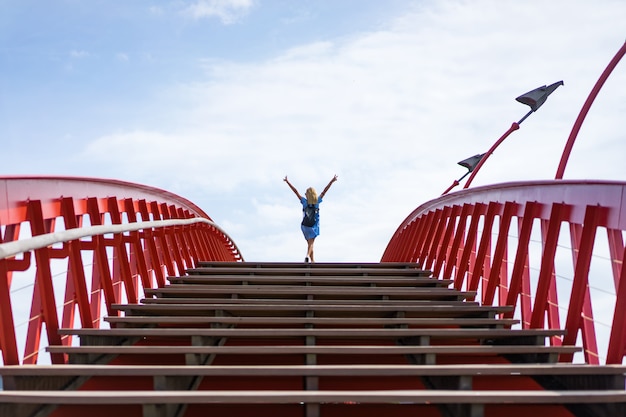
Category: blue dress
[313,231]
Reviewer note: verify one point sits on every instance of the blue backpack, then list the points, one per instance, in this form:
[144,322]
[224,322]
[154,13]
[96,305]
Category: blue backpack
[310,215]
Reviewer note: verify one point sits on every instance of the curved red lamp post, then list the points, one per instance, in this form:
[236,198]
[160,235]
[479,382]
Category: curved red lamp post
[534,99]
[583,112]
[469,163]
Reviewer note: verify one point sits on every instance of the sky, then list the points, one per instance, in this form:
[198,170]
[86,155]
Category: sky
[218,100]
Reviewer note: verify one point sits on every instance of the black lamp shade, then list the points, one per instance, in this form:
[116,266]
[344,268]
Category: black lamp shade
[538,96]
[471,162]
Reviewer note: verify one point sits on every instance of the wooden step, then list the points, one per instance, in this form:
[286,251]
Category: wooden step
[477,403]
[318,397]
[472,370]
[317,265]
[344,292]
[421,354]
[425,336]
[323,310]
[325,280]
[307,300]
[460,322]
[315,270]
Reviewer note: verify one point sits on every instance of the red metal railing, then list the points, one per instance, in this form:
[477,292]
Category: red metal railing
[135,236]
[454,235]
[507,240]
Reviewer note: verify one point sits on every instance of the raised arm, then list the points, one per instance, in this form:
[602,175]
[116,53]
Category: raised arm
[292,188]
[328,186]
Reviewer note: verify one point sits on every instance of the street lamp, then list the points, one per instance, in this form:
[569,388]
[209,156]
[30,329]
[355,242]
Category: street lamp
[535,99]
[469,163]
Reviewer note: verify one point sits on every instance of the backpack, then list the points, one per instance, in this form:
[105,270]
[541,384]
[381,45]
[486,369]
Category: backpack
[310,215]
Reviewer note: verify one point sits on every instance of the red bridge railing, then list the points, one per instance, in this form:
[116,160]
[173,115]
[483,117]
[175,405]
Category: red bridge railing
[553,249]
[70,247]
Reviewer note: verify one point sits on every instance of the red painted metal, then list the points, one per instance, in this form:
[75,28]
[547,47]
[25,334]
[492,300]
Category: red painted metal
[436,235]
[585,109]
[513,128]
[122,264]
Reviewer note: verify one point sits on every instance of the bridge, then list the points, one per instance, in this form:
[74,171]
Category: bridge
[123,298]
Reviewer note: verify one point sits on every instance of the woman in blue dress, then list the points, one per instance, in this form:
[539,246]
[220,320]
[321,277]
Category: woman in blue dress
[311,198]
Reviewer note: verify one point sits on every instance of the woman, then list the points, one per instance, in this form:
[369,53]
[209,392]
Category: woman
[311,201]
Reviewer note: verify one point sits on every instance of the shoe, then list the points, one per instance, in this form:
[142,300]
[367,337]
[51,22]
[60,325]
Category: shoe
[306,259]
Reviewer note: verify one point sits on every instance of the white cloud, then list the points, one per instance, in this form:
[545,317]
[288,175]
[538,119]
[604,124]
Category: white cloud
[227,11]
[79,53]
[390,111]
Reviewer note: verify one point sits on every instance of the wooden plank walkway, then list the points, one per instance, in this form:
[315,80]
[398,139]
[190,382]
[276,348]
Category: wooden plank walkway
[311,340]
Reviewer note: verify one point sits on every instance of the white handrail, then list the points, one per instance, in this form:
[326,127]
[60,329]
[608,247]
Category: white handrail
[16,247]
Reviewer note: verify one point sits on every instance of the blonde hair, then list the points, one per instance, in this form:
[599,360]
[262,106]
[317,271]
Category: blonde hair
[311,195]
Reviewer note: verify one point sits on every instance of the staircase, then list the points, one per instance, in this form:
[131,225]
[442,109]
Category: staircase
[291,339]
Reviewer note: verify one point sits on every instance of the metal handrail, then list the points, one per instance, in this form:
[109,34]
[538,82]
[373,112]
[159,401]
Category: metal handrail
[10,249]
[135,235]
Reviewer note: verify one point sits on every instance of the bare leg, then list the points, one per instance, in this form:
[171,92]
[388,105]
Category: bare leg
[309,251]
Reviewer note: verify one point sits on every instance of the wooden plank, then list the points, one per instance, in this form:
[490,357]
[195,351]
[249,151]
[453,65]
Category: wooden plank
[260,310]
[343,291]
[432,309]
[319,265]
[316,349]
[312,271]
[317,280]
[357,321]
[298,301]
[299,397]
[318,332]
[314,370]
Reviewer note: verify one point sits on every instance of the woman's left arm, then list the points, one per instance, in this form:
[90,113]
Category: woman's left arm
[328,186]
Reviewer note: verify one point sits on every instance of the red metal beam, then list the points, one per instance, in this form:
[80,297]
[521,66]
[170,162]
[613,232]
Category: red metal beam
[585,109]
[584,206]
[123,263]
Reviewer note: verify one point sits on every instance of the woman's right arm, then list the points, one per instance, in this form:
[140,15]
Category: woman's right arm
[292,188]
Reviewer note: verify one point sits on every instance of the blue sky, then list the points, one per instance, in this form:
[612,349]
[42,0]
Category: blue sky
[218,100]
[64,61]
